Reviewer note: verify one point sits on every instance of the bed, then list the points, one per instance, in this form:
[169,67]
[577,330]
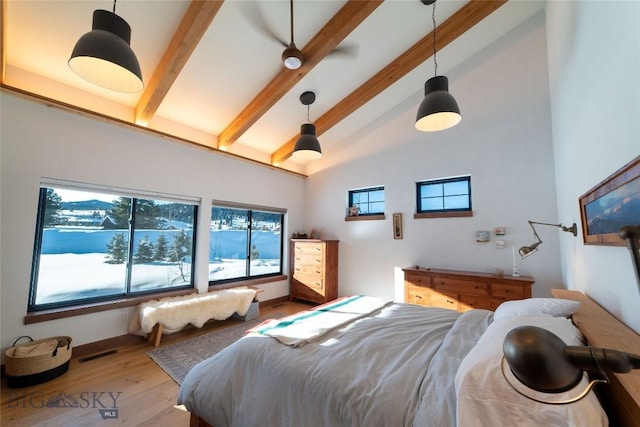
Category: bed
[394,365]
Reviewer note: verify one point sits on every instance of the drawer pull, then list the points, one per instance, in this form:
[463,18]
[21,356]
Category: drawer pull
[418,296]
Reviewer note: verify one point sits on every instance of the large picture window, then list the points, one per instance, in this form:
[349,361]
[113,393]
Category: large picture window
[245,242]
[93,246]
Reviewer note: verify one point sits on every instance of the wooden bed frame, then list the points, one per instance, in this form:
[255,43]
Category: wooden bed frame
[621,397]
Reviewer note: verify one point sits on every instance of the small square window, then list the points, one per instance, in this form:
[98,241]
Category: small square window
[444,195]
[367,201]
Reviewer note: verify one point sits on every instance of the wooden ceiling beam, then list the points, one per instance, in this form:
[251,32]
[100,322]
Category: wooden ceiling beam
[194,24]
[348,18]
[459,23]
[3,41]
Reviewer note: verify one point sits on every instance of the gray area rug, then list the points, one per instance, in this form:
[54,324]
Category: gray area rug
[178,359]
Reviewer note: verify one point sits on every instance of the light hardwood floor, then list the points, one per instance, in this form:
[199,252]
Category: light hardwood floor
[144,394]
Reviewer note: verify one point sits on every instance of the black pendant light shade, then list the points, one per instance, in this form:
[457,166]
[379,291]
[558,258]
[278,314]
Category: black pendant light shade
[307,146]
[104,56]
[439,109]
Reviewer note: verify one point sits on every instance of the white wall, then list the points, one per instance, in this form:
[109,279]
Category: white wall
[37,142]
[594,68]
[504,142]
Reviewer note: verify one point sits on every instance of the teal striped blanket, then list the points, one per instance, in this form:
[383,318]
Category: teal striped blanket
[308,326]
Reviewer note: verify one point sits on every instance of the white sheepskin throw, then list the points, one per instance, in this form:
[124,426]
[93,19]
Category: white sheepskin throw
[175,313]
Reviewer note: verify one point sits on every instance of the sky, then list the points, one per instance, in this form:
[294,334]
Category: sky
[82,195]
[79,196]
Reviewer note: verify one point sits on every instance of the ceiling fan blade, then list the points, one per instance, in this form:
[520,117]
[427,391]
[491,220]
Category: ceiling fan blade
[348,50]
[253,14]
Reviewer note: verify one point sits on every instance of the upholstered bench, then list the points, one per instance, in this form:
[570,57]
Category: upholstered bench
[169,315]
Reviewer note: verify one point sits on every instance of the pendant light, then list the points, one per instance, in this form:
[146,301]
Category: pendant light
[439,109]
[307,146]
[104,57]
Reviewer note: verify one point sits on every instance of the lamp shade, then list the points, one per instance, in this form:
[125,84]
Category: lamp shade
[439,109]
[537,359]
[307,146]
[103,55]
[525,251]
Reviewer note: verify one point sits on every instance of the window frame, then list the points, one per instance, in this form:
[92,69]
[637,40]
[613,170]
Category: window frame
[247,278]
[34,309]
[366,190]
[439,213]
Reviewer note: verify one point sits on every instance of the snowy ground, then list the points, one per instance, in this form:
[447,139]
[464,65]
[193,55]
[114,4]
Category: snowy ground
[73,276]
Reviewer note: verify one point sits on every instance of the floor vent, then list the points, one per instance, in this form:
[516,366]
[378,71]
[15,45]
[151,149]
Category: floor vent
[97,356]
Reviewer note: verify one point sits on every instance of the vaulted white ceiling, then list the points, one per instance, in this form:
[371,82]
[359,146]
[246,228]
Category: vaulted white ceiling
[217,79]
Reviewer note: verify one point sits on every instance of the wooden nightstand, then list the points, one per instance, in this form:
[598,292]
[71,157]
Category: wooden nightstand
[462,290]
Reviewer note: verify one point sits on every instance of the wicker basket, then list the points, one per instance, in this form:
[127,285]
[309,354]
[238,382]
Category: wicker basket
[37,361]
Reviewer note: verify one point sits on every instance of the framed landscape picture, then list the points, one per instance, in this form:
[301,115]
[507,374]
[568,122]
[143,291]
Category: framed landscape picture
[611,204]
[397,226]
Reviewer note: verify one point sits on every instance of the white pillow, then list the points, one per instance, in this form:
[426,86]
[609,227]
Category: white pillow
[556,307]
[485,398]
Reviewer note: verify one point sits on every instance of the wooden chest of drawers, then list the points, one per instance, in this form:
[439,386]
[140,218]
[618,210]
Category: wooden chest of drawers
[462,290]
[314,270]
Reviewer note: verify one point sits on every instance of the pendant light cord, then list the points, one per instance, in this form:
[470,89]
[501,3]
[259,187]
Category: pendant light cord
[114,7]
[308,108]
[433,18]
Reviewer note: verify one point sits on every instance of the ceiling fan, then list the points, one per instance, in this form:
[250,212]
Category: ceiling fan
[292,57]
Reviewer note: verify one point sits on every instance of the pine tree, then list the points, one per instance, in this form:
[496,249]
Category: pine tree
[147,214]
[145,251]
[255,254]
[53,207]
[121,212]
[117,249]
[161,249]
[181,246]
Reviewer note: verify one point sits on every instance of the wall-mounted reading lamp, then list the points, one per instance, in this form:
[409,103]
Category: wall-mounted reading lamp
[525,251]
[540,361]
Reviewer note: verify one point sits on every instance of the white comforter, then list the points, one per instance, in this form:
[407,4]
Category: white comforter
[395,367]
